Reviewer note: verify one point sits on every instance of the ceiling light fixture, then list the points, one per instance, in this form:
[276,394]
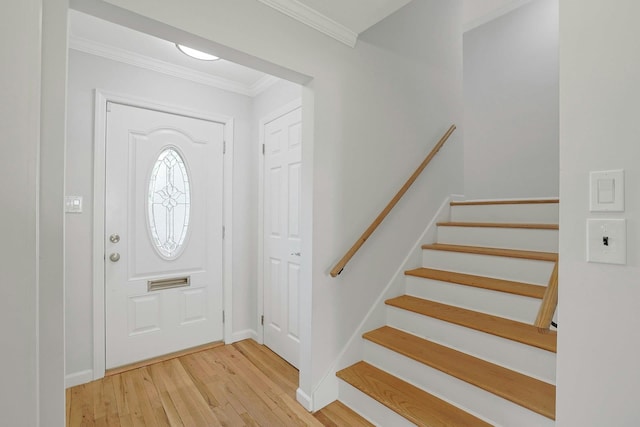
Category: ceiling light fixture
[196,53]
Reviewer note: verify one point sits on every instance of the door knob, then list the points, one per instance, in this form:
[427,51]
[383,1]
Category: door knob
[114,257]
[114,238]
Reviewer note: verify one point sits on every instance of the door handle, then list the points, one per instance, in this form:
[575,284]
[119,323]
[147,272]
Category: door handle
[114,257]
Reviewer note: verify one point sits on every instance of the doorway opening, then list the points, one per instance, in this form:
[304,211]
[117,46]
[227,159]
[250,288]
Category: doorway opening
[109,63]
[279,213]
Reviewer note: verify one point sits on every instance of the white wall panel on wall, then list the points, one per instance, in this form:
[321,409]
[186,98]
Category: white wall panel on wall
[511,104]
[20,27]
[598,375]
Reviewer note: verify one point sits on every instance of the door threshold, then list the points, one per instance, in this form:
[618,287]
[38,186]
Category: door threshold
[163,358]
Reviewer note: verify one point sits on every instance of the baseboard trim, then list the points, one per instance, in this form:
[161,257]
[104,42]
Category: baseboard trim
[243,335]
[304,399]
[78,378]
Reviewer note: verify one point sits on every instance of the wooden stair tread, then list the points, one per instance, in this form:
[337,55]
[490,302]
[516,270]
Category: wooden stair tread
[505,202]
[494,325]
[525,391]
[529,226]
[414,404]
[507,286]
[511,253]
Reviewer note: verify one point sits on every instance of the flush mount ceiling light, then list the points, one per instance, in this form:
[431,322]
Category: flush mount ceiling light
[196,53]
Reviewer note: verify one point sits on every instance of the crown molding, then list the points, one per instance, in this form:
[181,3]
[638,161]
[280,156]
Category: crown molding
[263,84]
[494,14]
[141,61]
[314,19]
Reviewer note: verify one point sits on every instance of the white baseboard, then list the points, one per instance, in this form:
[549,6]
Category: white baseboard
[304,399]
[77,378]
[327,389]
[243,335]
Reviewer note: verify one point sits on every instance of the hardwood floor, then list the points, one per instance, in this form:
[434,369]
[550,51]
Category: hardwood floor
[244,384]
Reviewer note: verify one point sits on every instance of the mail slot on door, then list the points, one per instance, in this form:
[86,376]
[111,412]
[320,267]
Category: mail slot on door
[174,282]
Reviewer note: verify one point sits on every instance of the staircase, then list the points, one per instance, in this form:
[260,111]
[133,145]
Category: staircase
[459,347]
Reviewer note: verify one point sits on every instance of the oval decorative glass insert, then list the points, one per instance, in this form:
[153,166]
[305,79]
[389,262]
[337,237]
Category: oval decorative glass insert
[169,203]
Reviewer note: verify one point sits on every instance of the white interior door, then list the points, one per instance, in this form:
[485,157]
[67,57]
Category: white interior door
[282,257]
[163,226]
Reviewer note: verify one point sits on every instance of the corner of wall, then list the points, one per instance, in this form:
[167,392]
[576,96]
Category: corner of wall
[304,399]
[77,378]
[243,335]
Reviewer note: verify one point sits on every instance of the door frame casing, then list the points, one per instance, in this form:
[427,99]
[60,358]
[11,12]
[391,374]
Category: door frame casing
[278,112]
[99,192]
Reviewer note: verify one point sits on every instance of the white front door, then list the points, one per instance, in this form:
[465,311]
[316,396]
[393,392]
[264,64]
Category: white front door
[163,233]
[282,257]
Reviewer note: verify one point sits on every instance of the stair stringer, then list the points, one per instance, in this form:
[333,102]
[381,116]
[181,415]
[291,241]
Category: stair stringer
[473,400]
[327,389]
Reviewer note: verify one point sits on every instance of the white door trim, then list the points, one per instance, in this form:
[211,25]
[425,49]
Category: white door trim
[99,182]
[297,103]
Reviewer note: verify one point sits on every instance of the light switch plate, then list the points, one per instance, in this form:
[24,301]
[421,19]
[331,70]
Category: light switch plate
[607,241]
[73,204]
[606,191]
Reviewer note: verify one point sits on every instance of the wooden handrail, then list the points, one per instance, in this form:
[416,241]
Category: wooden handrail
[549,302]
[369,231]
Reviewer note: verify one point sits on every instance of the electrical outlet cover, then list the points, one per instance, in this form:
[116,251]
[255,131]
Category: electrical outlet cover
[607,241]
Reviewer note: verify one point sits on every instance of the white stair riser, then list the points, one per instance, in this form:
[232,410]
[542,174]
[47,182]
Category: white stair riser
[472,399]
[528,360]
[515,269]
[514,307]
[527,239]
[538,213]
[374,411]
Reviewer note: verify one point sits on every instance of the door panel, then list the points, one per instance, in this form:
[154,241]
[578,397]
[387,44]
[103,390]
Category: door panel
[282,186]
[164,201]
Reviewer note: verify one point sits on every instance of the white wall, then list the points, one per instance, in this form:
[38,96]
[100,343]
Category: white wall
[88,72]
[281,93]
[478,12]
[50,211]
[598,376]
[377,109]
[511,104]
[20,129]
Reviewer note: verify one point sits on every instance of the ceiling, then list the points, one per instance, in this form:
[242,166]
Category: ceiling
[478,12]
[343,20]
[340,19]
[357,15]
[96,36]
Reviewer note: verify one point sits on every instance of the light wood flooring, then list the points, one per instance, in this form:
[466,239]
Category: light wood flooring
[244,384]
